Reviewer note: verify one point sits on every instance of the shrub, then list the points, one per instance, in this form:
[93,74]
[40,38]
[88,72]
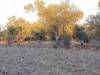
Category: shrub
[51,34]
[66,38]
[39,35]
[81,34]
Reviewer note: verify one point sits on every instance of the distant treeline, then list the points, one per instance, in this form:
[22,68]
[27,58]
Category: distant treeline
[55,21]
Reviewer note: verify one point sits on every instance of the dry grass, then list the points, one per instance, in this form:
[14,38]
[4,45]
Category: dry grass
[30,60]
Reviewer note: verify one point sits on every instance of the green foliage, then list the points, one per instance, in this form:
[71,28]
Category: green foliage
[39,35]
[51,34]
[12,33]
[97,35]
[3,35]
[80,34]
[66,38]
[94,22]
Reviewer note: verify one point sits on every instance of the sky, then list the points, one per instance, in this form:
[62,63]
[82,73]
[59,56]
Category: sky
[10,8]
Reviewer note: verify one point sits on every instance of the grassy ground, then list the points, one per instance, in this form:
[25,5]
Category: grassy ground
[27,60]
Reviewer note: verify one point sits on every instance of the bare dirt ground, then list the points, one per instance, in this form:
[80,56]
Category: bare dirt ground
[31,60]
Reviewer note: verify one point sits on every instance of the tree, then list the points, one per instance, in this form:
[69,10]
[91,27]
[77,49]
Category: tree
[59,18]
[24,28]
[11,31]
[94,28]
[39,29]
